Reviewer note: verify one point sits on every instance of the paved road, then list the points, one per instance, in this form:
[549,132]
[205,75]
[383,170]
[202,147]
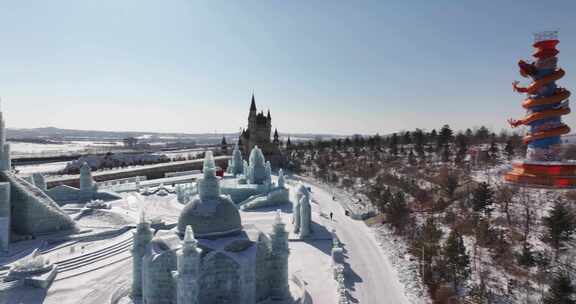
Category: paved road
[371,278]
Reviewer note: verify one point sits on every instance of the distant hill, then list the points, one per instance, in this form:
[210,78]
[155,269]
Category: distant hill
[56,134]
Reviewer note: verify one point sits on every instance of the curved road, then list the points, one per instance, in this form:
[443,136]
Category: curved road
[371,278]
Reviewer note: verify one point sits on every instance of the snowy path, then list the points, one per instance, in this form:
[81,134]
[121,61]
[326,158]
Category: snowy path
[371,278]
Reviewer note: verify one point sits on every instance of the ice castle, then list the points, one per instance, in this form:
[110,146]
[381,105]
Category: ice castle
[210,257]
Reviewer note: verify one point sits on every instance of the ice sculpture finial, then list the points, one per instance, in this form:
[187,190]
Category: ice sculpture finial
[209,164]
[189,235]
[208,186]
[278,219]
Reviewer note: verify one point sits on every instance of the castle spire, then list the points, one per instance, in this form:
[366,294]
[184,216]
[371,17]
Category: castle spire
[253,104]
[269,117]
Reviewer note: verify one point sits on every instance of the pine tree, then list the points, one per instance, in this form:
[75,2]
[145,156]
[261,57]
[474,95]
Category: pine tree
[397,211]
[468,134]
[509,149]
[561,290]
[450,184]
[407,138]
[418,139]
[446,153]
[411,158]
[427,246]
[456,259]
[561,225]
[445,135]
[394,145]
[526,257]
[493,151]
[432,136]
[482,134]
[482,198]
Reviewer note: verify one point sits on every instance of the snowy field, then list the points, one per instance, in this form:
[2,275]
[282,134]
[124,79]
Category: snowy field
[22,149]
[41,168]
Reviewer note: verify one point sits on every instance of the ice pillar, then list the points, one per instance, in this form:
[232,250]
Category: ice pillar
[4,216]
[142,237]
[279,288]
[188,274]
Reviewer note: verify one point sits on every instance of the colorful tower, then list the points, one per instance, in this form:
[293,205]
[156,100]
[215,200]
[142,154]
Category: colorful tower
[188,274]
[142,237]
[279,288]
[545,104]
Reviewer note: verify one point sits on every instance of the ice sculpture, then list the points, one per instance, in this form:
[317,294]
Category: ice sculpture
[5,162]
[257,173]
[279,288]
[236,164]
[33,270]
[86,182]
[188,274]
[142,238]
[208,186]
[296,217]
[281,181]
[268,173]
[305,215]
[302,212]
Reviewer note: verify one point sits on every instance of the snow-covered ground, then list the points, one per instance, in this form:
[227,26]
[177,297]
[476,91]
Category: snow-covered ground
[370,276]
[23,149]
[92,270]
[41,168]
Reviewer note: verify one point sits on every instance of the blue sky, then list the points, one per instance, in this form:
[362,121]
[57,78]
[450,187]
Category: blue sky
[320,66]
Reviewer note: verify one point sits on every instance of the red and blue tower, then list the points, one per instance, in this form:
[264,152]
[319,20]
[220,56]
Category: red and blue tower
[545,104]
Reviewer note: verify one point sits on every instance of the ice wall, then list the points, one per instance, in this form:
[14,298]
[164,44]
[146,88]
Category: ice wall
[34,212]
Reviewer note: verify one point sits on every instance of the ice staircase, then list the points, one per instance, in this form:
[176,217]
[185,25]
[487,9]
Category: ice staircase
[93,258]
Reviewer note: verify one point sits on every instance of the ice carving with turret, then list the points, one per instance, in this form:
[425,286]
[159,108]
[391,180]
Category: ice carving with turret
[210,257]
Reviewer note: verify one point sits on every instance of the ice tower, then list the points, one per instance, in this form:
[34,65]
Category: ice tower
[279,288]
[188,274]
[86,181]
[236,164]
[5,162]
[5,207]
[142,238]
[545,104]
